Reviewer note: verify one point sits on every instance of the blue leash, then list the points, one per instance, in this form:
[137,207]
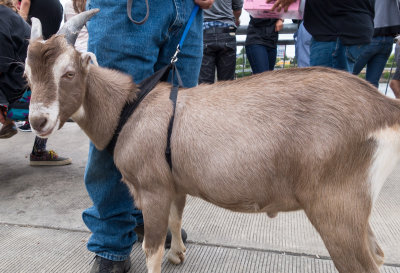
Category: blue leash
[185,32]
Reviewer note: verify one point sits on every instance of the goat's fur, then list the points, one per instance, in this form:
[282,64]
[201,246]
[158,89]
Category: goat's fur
[315,139]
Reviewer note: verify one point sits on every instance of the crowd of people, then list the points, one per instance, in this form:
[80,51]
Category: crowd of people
[346,35]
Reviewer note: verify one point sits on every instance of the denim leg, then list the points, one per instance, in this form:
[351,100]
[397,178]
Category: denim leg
[376,64]
[353,54]
[113,216]
[258,58]
[189,58]
[321,53]
[302,46]
[226,57]
[210,51]
[137,50]
[271,58]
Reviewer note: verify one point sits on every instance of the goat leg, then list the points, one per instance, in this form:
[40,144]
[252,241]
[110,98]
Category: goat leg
[176,254]
[155,208]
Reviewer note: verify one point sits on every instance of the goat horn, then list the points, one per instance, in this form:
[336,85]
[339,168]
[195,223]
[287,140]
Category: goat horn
[36,30]
[72,27]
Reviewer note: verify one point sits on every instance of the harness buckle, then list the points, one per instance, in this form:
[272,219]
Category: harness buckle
[175,57]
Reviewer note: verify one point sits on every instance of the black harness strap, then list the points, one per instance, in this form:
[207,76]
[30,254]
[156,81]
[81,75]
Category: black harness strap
[173,97]
[145,87]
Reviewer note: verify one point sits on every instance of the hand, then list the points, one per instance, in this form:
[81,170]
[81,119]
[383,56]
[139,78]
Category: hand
[237,22]
[279,25]
[204,4]
[281,4]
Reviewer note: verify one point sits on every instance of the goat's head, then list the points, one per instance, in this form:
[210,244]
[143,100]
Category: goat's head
[56,74]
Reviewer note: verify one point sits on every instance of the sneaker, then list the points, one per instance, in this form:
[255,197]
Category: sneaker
[26,127]
[102,265]
[8,130]
[140,234]
[48,158]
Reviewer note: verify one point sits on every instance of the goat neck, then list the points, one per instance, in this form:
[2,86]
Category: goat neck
[107,91]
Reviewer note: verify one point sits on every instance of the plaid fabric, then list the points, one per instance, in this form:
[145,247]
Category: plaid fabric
[211,24]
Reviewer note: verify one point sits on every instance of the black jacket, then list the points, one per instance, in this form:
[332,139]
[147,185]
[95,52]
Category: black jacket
[262,32]
[352,21]
[14,35]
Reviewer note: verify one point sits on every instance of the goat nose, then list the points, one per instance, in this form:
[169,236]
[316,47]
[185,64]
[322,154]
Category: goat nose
[38,123]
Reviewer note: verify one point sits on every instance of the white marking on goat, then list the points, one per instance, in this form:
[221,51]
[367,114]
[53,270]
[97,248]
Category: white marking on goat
[61,65]
[154,261]
[79,114]
[28,69]
[176,254]
[51,112]
[387,155]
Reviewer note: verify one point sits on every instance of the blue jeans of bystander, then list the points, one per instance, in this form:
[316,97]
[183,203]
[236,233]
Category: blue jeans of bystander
[261,58]
[139,50]
[334,54]
[375,56]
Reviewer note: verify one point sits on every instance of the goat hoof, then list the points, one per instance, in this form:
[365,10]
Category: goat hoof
[176,257]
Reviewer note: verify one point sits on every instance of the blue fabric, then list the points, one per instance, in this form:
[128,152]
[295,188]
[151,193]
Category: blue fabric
[210,24]
[302,46]
[374,56]
[334,54]
[261,58]
[139,50]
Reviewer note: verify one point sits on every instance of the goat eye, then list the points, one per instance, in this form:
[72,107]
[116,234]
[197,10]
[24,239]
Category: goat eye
[69,75]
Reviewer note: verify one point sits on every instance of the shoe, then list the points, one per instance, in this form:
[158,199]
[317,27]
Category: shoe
[26,127]
[140,234]
[102,265]
[48,158]
[8,130]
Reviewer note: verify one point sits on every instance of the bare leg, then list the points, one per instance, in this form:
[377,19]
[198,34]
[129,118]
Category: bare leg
[176,254]
[395,86]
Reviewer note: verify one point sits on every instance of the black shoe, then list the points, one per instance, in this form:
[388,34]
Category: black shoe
[102,265]
[140,234]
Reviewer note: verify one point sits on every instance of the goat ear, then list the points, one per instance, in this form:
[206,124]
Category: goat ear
[36,30]
[87,57]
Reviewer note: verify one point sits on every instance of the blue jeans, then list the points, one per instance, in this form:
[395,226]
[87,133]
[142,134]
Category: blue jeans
[334,54]
[302,46]
[261,58]
[138,50]
[375,56]
[219,51]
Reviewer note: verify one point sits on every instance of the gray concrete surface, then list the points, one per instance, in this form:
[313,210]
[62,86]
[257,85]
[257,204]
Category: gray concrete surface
[41,228]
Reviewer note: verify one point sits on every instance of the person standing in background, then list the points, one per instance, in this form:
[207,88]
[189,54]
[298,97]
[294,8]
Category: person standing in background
[49,12]
[262,42]
[219,40]
[376,54]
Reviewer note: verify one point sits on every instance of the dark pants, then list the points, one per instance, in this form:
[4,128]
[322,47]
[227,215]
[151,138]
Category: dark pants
[219,51]
[261,58]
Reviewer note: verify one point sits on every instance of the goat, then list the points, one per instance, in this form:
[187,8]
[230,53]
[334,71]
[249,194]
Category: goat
[315,139]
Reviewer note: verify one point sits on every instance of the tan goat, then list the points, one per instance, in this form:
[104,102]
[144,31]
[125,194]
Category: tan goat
[315,139]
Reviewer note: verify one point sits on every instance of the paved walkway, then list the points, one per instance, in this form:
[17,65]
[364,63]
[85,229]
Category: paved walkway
[41,228]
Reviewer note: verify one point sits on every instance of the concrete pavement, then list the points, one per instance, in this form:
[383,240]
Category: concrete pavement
[41,228]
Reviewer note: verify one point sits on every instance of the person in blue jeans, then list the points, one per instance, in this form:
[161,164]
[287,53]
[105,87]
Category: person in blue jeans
[340,30]
[139,50]
[262,42]
[376,54]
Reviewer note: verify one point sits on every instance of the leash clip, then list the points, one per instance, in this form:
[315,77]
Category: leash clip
[175,57]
